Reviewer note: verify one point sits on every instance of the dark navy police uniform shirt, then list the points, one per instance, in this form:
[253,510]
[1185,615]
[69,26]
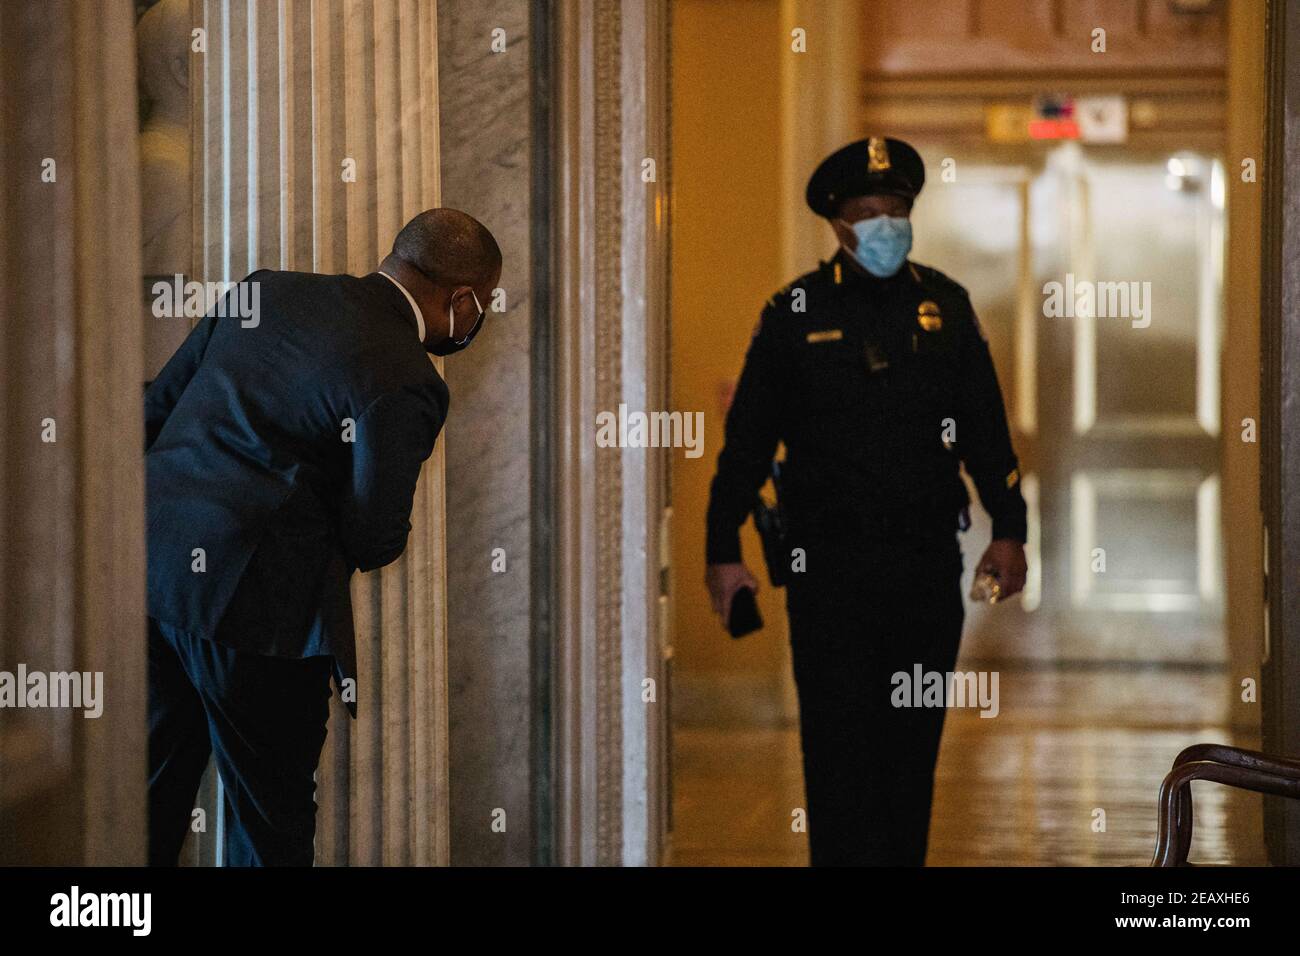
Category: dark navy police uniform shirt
[865,380]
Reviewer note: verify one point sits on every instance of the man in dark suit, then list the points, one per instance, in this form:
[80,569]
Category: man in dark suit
[282,454]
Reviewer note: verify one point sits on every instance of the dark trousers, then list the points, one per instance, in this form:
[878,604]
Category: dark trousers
[869,765]
[262,719]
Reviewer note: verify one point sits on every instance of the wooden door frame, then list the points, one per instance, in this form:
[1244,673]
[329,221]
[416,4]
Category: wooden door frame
[542,372]
[1280,414]
[609,292]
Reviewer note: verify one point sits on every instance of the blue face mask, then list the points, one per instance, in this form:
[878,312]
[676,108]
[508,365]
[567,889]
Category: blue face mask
[883,244]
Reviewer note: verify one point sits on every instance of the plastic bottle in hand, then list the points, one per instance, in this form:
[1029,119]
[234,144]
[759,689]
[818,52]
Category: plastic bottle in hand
[985,587]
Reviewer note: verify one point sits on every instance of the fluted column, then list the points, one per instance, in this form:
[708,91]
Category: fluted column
[316,128]
[72,789]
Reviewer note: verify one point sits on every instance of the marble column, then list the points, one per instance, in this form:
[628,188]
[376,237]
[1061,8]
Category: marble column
[485,83]
[316,132]
[72,790]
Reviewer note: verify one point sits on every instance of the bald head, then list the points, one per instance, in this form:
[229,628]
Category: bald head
[450,265]
[451,248]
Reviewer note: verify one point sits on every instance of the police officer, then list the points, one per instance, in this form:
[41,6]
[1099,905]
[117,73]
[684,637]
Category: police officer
[876,375]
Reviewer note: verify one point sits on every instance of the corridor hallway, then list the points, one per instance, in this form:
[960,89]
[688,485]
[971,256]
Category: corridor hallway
[1138,443]
[1019,789]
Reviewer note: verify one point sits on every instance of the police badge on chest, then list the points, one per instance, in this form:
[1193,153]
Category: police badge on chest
[927,334]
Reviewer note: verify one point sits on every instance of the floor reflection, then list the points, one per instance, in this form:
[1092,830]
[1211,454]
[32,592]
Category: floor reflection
[1021,789]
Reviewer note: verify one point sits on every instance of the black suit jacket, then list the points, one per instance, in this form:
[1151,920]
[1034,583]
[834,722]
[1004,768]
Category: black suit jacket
[283,455]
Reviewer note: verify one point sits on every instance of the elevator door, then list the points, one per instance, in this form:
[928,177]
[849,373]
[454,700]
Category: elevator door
[1096,273]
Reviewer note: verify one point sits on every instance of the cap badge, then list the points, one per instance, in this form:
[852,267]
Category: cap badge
[928,316]
[877,155]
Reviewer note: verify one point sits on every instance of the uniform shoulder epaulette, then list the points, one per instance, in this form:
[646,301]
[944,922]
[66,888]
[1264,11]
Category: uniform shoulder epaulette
[786,292]
[931,277]
[941,286]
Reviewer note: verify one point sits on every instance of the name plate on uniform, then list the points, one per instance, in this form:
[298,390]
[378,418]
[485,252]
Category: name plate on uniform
[830,335]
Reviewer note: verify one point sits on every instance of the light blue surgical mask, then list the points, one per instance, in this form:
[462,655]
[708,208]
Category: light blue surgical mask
[883,244]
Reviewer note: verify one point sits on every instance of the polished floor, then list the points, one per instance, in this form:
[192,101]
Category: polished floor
[1066,774]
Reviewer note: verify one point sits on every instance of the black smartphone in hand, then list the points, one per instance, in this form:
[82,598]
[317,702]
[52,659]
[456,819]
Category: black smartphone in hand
[744,617]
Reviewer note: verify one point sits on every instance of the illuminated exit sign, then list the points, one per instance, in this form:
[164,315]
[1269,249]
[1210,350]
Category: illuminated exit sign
[1090,119]
[1053,118]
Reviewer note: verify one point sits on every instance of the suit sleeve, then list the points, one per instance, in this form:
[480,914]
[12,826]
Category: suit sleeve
[393,437]
[984,440]
[162,394]
[751,435]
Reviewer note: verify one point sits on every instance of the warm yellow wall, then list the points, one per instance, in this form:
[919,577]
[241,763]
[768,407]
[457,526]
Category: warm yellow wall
[726,251]
[1242,524]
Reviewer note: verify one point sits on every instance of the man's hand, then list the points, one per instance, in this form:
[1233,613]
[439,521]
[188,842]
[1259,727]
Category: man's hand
[723,581]
[1005,560]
